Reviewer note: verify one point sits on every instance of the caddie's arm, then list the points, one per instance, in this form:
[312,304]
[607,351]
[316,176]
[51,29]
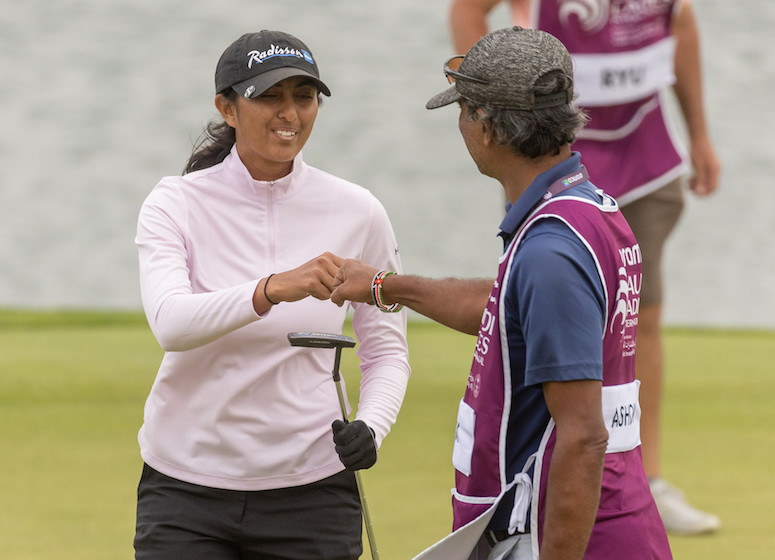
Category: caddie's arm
[468,22]
[576,470]
[454,302]
[688,90]
[468,19]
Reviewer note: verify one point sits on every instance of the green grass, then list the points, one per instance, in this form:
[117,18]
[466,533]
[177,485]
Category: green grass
[72,388]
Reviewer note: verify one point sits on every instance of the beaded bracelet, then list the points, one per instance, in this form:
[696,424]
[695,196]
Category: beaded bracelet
[376,293]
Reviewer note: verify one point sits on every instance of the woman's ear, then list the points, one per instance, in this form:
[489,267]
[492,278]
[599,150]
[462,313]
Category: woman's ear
[227,109]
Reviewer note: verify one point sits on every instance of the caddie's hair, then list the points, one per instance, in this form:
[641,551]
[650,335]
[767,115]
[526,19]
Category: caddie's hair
[533,133]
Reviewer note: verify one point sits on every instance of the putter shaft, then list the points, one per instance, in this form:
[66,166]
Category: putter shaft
[326,340]
[358,481]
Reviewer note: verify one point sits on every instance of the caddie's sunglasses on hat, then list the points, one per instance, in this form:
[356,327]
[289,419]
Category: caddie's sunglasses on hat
[451,67]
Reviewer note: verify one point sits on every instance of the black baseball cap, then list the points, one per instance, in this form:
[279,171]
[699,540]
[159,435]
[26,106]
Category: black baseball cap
[502,68]
[257,61]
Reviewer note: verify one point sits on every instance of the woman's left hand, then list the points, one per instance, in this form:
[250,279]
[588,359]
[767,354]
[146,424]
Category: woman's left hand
[355,444]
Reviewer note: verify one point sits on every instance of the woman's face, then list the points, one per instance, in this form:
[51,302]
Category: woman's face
[271,129]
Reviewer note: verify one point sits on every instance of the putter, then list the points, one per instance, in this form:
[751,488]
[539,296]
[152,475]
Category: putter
[338,341]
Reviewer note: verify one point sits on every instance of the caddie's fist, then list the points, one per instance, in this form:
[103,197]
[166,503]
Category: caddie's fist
[355,444]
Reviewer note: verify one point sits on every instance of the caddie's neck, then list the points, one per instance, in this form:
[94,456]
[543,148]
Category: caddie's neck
[518,172]
[513,170]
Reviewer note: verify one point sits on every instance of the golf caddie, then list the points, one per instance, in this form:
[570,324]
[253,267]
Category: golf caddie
[547,447]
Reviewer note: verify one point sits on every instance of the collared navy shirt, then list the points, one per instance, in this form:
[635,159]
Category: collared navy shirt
[533,195]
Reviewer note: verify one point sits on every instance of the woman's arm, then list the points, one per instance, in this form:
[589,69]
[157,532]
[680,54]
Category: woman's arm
[183,320]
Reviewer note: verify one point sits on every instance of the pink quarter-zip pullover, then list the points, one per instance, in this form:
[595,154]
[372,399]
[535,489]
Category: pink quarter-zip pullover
[234,405]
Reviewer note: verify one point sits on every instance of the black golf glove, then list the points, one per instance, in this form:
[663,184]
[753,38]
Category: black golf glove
[355,444]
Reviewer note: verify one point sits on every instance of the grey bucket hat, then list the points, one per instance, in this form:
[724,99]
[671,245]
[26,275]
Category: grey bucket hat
[501,70]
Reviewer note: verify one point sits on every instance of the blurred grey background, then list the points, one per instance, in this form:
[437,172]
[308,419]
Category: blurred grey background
[101,98]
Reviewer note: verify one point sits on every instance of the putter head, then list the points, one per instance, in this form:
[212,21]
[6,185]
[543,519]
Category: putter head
[320,340]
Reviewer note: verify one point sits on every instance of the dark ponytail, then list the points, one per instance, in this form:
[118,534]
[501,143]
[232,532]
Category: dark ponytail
[214,144]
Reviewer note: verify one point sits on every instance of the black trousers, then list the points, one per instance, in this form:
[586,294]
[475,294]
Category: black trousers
[181,521]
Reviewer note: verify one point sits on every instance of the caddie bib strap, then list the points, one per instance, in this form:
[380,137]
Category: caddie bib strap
[523,496]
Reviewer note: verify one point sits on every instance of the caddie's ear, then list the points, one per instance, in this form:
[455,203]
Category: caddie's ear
[488,138]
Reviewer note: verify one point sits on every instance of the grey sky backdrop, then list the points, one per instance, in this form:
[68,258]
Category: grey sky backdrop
[102,98]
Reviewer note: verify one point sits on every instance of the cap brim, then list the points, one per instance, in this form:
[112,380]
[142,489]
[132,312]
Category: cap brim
[264,81]
[446,97]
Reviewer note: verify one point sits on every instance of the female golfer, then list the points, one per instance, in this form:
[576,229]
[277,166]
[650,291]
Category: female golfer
[240,459]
